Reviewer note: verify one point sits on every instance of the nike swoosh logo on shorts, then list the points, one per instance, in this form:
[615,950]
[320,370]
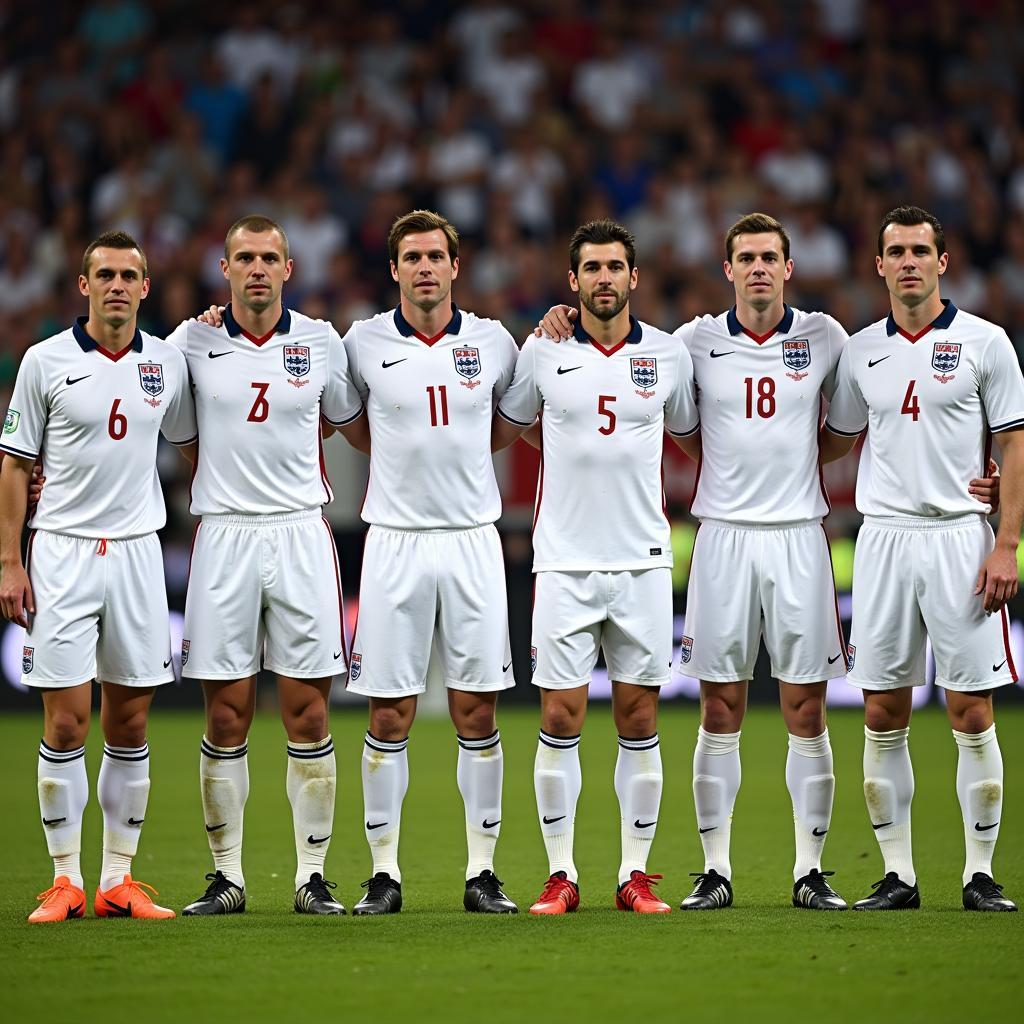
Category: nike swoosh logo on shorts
[832,661]
[996,668]
[505,668]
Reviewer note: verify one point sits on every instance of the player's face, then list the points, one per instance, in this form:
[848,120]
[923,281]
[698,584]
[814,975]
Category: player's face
[758,269]
[910,262]
[115,285]
[603,278]
[257,269]
[425,270]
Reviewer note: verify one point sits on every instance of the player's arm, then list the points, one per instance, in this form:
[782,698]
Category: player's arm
[356,432]
[504,431]
[998,578]
[688,443]
[986,488]
[15,589]
[190,451]
[834,446]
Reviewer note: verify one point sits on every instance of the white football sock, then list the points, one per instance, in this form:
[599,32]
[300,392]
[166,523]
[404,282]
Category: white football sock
[889,791]
[716,781]
[385,781]
[123,791]
[979,785]
[311,782]
[811,788]
[557,781]
[479,775]
[224,780]
[63,793]
[638,783]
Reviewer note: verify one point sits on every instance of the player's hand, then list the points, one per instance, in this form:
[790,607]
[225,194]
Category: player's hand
[16,600]
[213,317]
[986,489]
[557,324]
[998,579]
[35,486]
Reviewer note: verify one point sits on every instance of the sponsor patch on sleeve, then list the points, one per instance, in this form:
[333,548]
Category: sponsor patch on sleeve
[11,421]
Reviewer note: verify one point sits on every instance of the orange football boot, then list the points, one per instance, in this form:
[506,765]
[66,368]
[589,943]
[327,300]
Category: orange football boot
[130,899]
[61,902]
[636,895]
[560,896]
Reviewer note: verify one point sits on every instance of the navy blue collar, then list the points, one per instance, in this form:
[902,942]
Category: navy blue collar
[283,326]
[784,326]
[87,343]
[943,320]
[636,332]
[406,329]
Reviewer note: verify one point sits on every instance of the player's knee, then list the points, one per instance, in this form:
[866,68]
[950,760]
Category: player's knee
[718,715]
[389,723]
[127,729]
[973,719]
[65,730]
[476,721]
[878,718]
[226,725]
[807,717]
[558,719]
[308,724]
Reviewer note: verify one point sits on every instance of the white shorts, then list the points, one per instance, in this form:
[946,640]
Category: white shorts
[263,588]
[424,587]
[914,579]
[748,580]
[101,612]
[626,614]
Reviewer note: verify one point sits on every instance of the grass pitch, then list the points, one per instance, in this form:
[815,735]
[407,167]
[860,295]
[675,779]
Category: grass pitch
[760,960]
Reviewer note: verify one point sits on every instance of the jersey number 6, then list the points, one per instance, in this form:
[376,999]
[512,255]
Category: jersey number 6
[117,423]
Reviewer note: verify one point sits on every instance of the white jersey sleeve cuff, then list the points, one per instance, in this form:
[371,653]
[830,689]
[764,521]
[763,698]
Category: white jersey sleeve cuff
[348,419]
[1009,425]
[843,433]
[518,423]
[686,433]
[181,444]
[11,450]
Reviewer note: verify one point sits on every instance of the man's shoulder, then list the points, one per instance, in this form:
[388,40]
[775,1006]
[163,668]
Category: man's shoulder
[52,345]
[483,327]
[873,332]
[814,322]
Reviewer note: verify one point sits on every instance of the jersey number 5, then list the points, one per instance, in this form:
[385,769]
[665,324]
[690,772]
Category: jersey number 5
[603,403]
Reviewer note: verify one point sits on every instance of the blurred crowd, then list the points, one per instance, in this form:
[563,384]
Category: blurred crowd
[171,118]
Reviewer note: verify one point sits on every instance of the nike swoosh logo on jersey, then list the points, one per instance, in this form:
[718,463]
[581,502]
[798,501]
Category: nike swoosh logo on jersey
[213,828]
[832,661]
[644,824]
[718,355]
[394,362]
[551,821]
[380,824]
[217,355]
[491,824]
[875,362]
[322,839]
[568,369]
[69,381]
[53,821]
[815,832]
[978,827]
[996,668]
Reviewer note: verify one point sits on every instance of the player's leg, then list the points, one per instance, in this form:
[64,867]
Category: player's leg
[133,658]
[557,781]
[812,785]
[63,787]
[311,783]
[979,786]
[473,650]
[221,646]
[479,775]
[385,774]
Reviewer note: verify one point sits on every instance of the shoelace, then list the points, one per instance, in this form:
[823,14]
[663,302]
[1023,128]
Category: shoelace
[55,890]
[318,887]
[705,883]
[490,884]
[556,885]
[816,881]
[376,886]
[218,884]
[139,887]
[642,884]
[987,887]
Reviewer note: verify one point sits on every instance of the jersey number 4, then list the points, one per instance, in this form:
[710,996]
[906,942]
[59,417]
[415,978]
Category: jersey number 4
[910,404]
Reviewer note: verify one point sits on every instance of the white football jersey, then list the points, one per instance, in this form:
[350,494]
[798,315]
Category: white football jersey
[600,499]
[258,406]
[95,418]
[930,403]
[760,402]
[430,402]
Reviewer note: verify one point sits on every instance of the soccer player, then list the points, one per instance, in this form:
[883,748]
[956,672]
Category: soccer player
[932,384]
[263,585]
[433,572]
[91,402]
[762,370]
[602,552]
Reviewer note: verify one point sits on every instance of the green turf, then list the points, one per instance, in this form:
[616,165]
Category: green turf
[761,960]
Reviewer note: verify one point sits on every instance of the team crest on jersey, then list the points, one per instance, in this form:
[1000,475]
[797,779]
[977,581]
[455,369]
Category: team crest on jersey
[686,649]
[28,657]
[151,377]
[355,667]
[644,371]
[851,656]
[296,360]
[533,660]
[184,653]
[796,354]
[11,421]
[945,356]
[467,364]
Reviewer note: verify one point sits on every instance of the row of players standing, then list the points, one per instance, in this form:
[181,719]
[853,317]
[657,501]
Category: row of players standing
[407,380]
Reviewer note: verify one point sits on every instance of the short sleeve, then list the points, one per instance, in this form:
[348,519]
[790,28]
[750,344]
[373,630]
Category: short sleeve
[522,401]
[351,345]
[179,337]
[25,422]
[681,416]
[848,412]
[340,402]
[1002,385]
[179,422]
[508,354]
[837,339]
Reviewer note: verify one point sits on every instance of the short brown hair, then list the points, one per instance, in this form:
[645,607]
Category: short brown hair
[113,240]
[601,232]
[756,224]
[417,221]
[258,224]
[910,216]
